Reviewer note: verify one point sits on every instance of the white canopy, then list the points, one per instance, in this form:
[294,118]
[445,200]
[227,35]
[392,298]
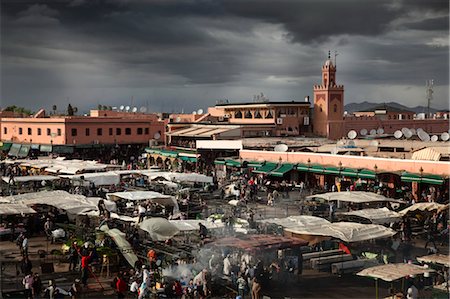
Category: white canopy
[15,209]
[376,216]
[192,225]
[345,231]
[110,205]
[165,200]
[180,177]
[98,178]
[423,206]
[351,196]
[391,272]
[29,178]
[437,258]
[159,229]
[125,247]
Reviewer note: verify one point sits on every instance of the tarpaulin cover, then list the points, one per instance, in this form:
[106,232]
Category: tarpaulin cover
[192,225]
[351,196]
[423,206]
[159,229]
[98,178]
[376,216]
[440,259]
[124,246]
[391,272]
[259,242]
[29,178]
[165,200]
[15,209]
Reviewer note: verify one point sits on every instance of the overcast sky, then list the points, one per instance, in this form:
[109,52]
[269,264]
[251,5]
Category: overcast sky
[185,55]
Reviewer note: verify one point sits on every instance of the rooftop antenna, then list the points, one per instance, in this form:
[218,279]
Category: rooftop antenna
[429,93]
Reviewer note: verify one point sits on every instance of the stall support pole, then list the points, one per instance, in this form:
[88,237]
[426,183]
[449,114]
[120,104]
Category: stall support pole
[376,288]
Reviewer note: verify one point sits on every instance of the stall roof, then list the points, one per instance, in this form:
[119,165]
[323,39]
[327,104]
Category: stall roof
[376,216]
[392,272]
[257,242]
[30,178]
[15,209]
[352,196]
[192,225]
[165,200]
[159,229]
[98,178]
[121,242]
[282,170]
[180,177]
[423,206]
[440,259]
[302,221]
[266,168]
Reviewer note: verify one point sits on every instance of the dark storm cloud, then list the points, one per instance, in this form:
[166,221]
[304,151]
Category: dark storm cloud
[76,48]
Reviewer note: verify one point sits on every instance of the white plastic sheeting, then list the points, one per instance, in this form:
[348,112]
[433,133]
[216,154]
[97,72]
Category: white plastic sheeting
[181,177]
[192,225]
[376,216]
[423,206]
[392,272]
[98,178]
[159,229]
[110,205]
[345,231]
[165,200]
[124,246]
[351,196]
[30,178]
[15,209]
[440,259]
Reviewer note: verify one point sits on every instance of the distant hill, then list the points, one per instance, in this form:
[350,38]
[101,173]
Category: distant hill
[363,106]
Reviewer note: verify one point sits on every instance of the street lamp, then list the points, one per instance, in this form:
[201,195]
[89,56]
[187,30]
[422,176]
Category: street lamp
[280,160]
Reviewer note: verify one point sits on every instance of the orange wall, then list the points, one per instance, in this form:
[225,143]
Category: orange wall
[387,165]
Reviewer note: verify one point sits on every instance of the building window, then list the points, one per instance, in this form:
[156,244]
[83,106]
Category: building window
[139,131]
[335,108]
[29,131]
[118,131]
[269,114]
[39,131]
[146,131]
[321,108]
[87,132]
[258,114]
[110,131]
[59,132]
[20,131]
[5,130]
[99,132]
[238,114]
[74,132]
[127,131]
[49,132]
[248,114]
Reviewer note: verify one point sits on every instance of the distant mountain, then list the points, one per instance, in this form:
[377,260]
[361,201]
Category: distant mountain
[363,106]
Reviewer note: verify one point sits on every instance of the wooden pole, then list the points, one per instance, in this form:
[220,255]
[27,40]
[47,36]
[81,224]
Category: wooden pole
[376,288]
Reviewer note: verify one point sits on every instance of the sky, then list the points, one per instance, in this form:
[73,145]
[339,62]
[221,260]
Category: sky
[180,56]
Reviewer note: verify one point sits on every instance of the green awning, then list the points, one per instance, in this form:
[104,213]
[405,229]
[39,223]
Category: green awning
[167,153]
[232,163]
[188,159]
[62,149]
[266,168]
[367,174]
[316,168]
[45,148]
[331,170]
[14,149]
[219,162]
[5,146]
[302,167]
[282,170]
[349,172]
[432,179]
[24,150]
[254,164]
[410,177]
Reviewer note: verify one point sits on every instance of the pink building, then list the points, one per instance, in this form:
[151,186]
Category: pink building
[101,127]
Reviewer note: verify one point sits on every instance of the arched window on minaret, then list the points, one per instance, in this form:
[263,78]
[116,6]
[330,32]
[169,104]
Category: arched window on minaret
[321,108]
[335,108]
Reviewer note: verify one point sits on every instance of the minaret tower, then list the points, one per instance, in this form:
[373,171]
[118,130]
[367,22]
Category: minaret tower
[328,103]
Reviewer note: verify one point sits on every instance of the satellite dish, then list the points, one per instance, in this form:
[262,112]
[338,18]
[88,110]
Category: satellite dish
[200,111]
[156,135]
[351,143]
[352,134]
[143,109]
[413,131]
[178,119]
[445,136]
[380,131]
[363,132]
[373,132]
[408,134]
[423,136]
[134,109]
[121,107]
[281,148]
[374,143]
[398,134]
[127,108]
[434,138]
[114,108]
[194,112]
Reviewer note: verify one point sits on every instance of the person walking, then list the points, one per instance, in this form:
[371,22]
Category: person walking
[121,286]
[37,286]
[26,265]
[85,260]
[25,247]
[28,284]
[73,256]
[48,228]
